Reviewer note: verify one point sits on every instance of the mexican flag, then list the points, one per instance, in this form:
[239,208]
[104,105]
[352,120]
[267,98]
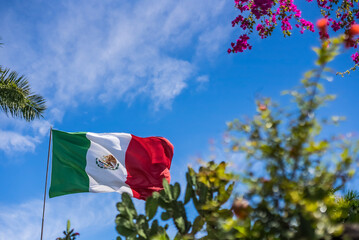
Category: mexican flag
[108,162]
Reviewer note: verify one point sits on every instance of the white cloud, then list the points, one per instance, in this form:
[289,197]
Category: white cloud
[12,141]
[202,79]
[91,51]
[211,42]
[86,52]
[20,135]
[41,127]
[202,82]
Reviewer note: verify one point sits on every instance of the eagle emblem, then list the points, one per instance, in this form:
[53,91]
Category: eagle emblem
[107,162]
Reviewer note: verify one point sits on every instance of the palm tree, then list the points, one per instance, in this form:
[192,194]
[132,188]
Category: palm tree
[69,234]
[16,97]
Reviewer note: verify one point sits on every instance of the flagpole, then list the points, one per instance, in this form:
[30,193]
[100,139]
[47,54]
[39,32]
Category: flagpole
[47,171]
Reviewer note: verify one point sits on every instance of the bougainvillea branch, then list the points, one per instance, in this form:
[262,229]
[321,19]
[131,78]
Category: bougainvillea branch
[263,16]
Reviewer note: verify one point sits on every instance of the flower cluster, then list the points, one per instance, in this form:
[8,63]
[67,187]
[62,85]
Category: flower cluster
[241,44]
[355,58]
[261,30]
[306,25]
[261,7]
[263,16]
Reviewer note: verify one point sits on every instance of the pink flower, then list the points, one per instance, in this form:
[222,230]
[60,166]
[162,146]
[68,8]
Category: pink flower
[335,25]
[261,7]
[261,30]
[298,14]
[245,23]
[237,20]
[286,25]
[243,8]
[355,58]
[241,44]
[306,25]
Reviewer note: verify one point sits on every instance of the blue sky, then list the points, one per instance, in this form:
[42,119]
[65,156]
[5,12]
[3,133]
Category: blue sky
[147,68]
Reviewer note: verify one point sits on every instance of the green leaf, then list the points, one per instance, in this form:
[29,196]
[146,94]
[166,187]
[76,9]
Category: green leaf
[345,153]
[167,189]
[225,195]
[125,231]
[176,190]
[154,228]
[155,195]
[161,236]
[188,177]
[141,233]
[180,224]
[320,87]
[203,189]
[165,216]
[151,207]
[189,193]
[126,223]
[126,199]
[141,220]
[178,236]
[316,50]
[121,207]
[225,213]
[197,224]
[164,202]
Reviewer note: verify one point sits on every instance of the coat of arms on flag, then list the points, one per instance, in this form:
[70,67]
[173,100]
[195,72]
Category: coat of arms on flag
[107,162]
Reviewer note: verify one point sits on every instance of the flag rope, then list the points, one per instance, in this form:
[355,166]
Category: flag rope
[47,171]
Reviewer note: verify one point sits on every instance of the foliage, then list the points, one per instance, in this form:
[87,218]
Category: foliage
[16,97]
[69,234]
[349,204]
[264,16]
[134,226]
[288,184]
[209,189]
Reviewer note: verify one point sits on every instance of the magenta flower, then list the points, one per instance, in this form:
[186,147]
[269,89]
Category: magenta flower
[355,58]
[241,44]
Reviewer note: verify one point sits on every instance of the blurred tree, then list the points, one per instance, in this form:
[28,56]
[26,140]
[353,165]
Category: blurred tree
[16,97]
[290,177]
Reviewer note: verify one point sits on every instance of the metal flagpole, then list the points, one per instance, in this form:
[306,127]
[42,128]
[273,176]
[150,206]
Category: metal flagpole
[47,171]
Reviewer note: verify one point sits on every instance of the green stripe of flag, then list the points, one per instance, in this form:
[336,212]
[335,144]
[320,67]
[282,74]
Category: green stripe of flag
[68,163]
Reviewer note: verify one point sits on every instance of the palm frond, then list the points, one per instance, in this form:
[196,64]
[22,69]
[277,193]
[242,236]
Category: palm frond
[16,97]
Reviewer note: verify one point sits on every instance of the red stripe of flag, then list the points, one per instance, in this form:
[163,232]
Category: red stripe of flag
[148,161]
